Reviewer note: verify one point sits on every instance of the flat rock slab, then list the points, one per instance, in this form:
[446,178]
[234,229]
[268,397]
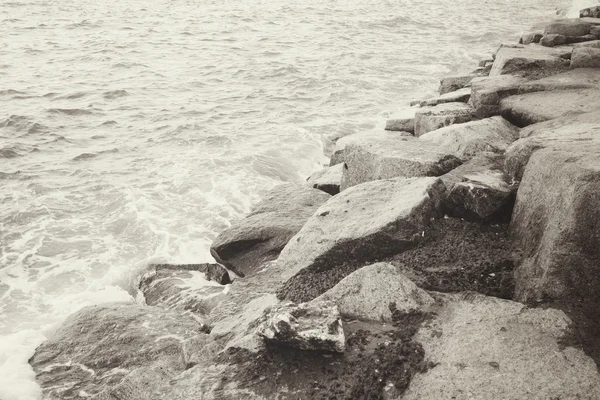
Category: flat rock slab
[585,57]
[183,287]
[96,347]
[360,224]
[576,132]
[328,179]
[458,96]
[316,325]
[431,118]
[338,154]
[531,108]
[259,237]
[372,292]
[530,61]
[487,348]
[555,224]
[391,156]
[486,93]
[457,82]
[465,141]
[402,121]
[568,27]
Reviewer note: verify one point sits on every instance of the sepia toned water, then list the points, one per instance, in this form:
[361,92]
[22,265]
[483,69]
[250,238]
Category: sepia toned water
[135,131]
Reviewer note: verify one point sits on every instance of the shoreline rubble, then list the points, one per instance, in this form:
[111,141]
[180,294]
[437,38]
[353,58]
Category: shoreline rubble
[454,255]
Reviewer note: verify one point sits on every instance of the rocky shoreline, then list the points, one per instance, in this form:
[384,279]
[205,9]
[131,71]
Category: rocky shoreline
[453,255]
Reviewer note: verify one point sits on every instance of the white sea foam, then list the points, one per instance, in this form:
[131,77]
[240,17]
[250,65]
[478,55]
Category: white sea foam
[136,133]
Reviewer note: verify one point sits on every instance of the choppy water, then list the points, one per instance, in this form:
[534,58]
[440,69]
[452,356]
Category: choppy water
[135,131]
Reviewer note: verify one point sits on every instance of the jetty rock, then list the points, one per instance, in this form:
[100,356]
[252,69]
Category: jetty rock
[364,138]
[328,179]
[431,118]
[585,57]
[261,235]
[390,156]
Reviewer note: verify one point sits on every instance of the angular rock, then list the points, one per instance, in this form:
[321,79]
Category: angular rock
[338,155]
[259,237]
[458,96]
[593,12]
[184,287]
[531,37]
[595,30]
[464,141]
[531,108]
[556,226]
[316,325]
[431,118]
[486,93]
[327,179]
[568,27]
[96,347]
[457,82]
[581,39]
[402,121]
[391,157]
[530,61]
[360,224]
[368,293]
[585,57]
[553,39]
[487,348]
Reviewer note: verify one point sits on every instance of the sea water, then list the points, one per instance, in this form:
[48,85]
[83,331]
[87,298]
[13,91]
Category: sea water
[135,131]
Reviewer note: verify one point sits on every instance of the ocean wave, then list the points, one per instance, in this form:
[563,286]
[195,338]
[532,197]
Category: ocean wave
[8,152]
[9,92]
[115,94]
[70,111]
[89,156]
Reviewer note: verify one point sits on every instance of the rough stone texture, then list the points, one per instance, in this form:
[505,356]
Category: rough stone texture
[316,325]
[593,12]
[400,124]
[469,139]
[184,287]
[391,157]
[338,155]
[595,30]
[553,39]
[96,347]
[556,225]
[530,61]
[568,27]
[486,93]
[458,96]
[576,132]
[487,348]
[360,224]
[259,237]
[367,293]
[431,118]
[531,37]
[581,39]
[531,108]
[585,57]
[457,82]
[327,179]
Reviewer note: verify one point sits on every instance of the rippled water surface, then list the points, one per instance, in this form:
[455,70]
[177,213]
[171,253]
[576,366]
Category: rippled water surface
[135,131]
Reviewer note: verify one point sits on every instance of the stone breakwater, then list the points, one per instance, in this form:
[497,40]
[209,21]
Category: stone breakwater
[453,255]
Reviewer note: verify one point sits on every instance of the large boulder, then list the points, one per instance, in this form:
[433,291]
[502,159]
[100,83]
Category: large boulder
[431,118]
[457,82]
[259,237]
[368,293]
[585,57]
[402,121]
[557,227]
[465,141]
[362,223]
[391,156]
[531,108]
[486,348]
[458,96]
[98,346]
[328,179]
[568,27]
[531,37]
[339,153]
[530,61]
[553,39]
[184,287]
[486,93]
[316,325]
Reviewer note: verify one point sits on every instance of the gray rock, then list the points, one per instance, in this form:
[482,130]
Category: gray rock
[464,141]
[531,108]
[360,224]
[457,96]
[487,348]
[531,37]
[338,155]
[316,325]
[327,179]
[400,124]
[367,293]
[391,157]
[581,39]
[568,27]
[457,82]
[595,30]
[486,93]
[585,57]
[184,287]
[96,347]
[530,61]
[556,226]
[593,12]
[553,39]
[259,237]
[431,118]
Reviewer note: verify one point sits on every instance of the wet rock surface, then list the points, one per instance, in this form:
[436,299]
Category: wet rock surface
[327,179]
[431,118]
